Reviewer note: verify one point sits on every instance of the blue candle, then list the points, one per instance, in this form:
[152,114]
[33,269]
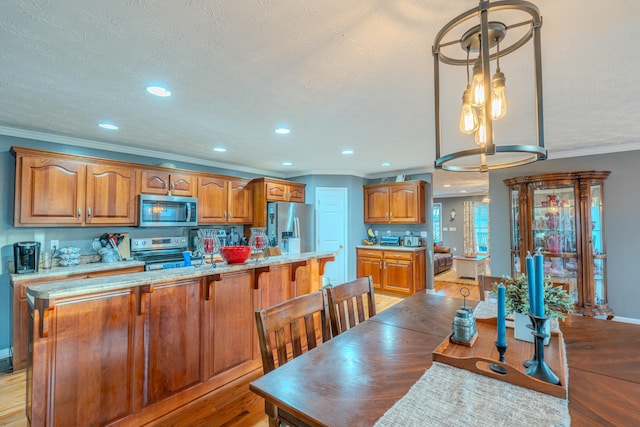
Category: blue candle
[538,290]
[502,327]
[531,283]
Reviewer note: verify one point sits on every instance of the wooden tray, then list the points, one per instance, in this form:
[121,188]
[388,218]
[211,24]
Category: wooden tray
[477,358]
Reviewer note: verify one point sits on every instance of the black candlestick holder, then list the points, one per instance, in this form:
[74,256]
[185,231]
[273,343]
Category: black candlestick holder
[495,367]
[539,368]
[530,362]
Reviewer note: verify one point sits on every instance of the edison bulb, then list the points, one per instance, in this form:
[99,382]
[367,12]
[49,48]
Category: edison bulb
[498,98]
[481,133]
[477,84]
[468,115]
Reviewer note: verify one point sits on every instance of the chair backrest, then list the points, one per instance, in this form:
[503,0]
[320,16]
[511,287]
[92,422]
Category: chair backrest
[347,304]
[288,329]
[486,284]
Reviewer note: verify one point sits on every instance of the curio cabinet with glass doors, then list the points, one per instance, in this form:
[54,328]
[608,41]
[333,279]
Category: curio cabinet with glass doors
[562,215]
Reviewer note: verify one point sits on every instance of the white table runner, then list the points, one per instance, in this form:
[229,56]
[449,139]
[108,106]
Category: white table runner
[448,396]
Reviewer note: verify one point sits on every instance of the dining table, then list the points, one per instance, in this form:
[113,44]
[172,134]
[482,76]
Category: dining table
[357,376]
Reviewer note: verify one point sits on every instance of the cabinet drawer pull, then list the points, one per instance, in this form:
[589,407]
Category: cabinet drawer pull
[79,213]
[88,212]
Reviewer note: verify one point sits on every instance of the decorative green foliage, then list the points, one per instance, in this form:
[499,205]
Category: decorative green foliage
[556,300]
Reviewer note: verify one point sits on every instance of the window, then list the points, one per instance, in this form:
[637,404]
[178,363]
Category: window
[437,222]
[481,227]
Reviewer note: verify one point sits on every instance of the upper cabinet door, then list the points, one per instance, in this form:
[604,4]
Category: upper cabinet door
[154,182]
[296,192]
[240,202]
[52,191]
[111,195]
[276,192]
[376,205]
[167,183]
[212,200]
[406,205]
[182,185]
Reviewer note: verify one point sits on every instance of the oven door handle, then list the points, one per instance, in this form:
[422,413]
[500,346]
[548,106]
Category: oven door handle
[188,212]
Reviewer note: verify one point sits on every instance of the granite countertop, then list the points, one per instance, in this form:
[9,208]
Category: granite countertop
[392,248]
[123,281]
[55,272]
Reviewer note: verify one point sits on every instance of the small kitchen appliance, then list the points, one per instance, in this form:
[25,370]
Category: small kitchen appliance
[390,240]
[26,256]
[167,211]
[159,253]
[411,241]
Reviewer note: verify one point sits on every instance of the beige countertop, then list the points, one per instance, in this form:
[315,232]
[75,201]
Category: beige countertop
[392,248]
[55,272]
[110,283]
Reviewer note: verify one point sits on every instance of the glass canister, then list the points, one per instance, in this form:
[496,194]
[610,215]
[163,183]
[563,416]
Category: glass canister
[464,326]
[258,240]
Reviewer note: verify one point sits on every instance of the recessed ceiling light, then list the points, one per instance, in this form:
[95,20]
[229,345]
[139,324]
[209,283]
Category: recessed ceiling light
[287,164]
[219,149]
[159,91]
[107,125]
[282,130]
[385,164]
[347,151]
[447,185]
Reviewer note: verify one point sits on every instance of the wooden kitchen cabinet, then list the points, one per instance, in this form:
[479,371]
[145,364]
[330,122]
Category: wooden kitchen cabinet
[229,325]
[57,190]
[166,182]
[273,190]
[397,271]
[21,310]
[173,338]
[224,201]
[395,203]
[90,378]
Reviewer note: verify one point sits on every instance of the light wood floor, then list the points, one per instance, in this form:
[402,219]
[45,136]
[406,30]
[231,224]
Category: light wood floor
[233,406]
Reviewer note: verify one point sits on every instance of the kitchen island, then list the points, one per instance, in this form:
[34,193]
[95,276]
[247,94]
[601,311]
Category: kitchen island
[128,349]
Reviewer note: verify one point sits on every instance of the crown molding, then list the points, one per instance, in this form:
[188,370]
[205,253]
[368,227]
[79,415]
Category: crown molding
[100,145]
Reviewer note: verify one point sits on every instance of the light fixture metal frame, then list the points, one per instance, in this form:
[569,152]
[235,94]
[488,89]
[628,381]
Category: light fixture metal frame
[537,152]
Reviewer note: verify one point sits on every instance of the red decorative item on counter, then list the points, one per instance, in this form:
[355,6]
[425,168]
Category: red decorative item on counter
[235,254]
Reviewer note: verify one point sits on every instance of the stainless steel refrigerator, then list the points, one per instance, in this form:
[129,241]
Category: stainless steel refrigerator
[295,220]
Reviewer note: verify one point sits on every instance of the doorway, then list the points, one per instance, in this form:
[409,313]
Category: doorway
[331,230]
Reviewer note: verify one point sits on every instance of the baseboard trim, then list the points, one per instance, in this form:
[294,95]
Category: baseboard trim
[626,320]
[431,291]
[5,352]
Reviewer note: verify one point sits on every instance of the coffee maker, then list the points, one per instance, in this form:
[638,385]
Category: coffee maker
[26,257]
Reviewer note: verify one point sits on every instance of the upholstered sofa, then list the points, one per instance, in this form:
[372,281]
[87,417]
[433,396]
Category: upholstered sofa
[442,259]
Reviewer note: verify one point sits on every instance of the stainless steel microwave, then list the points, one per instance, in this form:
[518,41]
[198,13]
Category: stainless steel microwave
[167,211]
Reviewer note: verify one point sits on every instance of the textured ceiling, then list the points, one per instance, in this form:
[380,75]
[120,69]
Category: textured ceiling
[341,74]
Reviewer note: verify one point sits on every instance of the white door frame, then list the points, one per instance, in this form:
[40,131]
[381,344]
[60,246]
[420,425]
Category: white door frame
[343,191]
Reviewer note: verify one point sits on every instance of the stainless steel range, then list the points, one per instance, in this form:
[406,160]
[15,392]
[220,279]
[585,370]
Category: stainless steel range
[159,253]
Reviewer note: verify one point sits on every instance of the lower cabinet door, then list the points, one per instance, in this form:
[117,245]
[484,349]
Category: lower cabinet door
[91,375]
[398,276]
[230,323]
[371,267]
[173,339]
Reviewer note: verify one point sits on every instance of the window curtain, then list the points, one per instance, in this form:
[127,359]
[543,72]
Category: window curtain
[469,231]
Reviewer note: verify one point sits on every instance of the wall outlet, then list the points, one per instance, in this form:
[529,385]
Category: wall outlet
[375,232]
[388,232]
[455,249]
[55,244]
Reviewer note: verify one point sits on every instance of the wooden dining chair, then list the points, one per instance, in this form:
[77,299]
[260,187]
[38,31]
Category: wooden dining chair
[485,283]
[287,330]
[347,304]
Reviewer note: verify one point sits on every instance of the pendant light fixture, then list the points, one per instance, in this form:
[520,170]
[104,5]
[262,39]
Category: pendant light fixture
[484,100]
